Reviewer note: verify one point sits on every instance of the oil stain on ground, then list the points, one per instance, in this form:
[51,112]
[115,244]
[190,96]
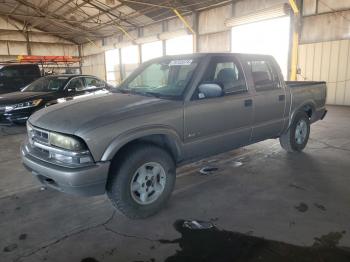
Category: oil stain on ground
[319,206]
[202,241]
[302,207]
[10,248]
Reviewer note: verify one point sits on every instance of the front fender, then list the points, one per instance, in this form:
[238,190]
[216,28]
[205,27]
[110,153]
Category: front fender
[131,135]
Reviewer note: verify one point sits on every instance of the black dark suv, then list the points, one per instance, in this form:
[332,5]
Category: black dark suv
[13,77]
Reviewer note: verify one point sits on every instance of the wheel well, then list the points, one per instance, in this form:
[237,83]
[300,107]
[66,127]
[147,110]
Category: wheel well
[162,141]
[308,109]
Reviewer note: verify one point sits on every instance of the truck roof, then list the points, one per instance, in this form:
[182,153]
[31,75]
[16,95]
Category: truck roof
[70,75]
[2,65]
[200,55]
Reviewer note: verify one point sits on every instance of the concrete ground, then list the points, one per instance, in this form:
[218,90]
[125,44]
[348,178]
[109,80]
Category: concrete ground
[259,191]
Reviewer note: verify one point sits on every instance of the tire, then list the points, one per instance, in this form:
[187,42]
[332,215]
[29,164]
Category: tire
[134,169]
[297,136]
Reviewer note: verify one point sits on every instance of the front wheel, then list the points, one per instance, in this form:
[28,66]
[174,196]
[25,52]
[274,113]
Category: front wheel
[297,136]
[142,181]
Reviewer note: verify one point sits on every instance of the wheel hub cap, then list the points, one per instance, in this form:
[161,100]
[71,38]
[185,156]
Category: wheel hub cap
[148,183]
[301,132]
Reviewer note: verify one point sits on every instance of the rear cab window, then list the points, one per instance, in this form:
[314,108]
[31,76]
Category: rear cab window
[29,70]
[9,71]
[19,71]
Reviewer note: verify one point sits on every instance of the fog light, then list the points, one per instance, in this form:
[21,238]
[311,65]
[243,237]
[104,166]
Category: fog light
[62,158]
[75,160]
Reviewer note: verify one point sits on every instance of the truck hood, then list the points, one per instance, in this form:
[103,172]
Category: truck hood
[82,115]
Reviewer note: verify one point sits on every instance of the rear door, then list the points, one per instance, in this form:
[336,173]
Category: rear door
[214,125]
[269,100]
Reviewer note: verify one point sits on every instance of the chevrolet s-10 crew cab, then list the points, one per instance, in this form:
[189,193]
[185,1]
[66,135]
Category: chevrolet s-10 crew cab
[170,111]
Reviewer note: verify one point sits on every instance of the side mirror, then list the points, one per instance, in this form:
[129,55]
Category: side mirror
[210,91]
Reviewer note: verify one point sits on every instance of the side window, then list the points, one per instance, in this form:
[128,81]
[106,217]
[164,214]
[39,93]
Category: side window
[92,83]
[228,74]
[76,84]
[264,77]
[28,70]
[9,72]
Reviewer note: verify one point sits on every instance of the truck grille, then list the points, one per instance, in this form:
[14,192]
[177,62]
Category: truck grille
[38,135]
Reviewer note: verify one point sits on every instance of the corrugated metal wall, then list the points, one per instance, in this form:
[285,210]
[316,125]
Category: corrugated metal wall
[94,65]
[328,61]
[13,43]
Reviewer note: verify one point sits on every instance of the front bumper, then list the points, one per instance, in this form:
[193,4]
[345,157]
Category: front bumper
[87,181]
[16,116]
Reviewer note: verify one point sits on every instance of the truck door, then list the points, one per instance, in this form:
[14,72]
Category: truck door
[269,100]
[214,125]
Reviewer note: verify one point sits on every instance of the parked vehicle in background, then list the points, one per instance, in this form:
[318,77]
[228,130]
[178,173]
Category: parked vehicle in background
[18,106]
[172,110]
[13,77]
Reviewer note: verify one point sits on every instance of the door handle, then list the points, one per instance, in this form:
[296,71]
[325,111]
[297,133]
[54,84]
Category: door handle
[281,98]
[248,102]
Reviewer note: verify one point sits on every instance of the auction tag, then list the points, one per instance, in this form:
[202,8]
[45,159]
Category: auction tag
[180,62]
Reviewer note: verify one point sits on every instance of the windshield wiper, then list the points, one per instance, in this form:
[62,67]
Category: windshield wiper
[143,93]
[157,95]
[121,90]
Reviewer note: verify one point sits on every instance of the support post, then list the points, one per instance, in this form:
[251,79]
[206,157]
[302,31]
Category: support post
[295,40]
[80,52]
[164,29]
[196,30]
[121,65]
[184,21]
[29,49]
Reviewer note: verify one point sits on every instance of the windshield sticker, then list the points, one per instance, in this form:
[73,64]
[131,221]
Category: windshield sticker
[180,62]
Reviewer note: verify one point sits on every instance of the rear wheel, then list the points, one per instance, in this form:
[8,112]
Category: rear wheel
[297,136]
[142,181]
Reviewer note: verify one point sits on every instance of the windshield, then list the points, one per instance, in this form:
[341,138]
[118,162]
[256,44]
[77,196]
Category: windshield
[165,79]
[47,84]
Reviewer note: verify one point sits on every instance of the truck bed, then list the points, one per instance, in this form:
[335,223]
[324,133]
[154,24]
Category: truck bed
[293,84]
[311,93]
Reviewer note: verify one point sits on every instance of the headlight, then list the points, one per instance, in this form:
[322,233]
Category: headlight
[72,160]
[23,105]
[66,142]
[29,132]
[62,149]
